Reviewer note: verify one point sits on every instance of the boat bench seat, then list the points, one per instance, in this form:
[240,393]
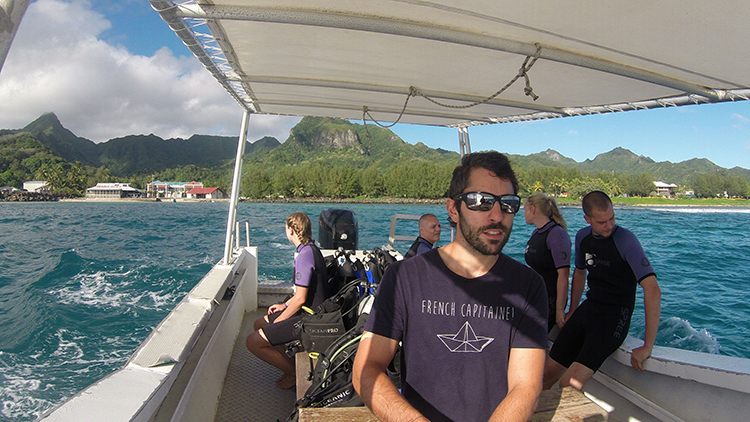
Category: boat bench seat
[303,366]
[567,404]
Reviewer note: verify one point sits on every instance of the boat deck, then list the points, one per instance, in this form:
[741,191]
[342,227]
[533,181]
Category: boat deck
[249,392]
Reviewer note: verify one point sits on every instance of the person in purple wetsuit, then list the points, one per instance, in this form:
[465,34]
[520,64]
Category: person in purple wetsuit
[310,289]
[472,321]
[548,252]
[616,264]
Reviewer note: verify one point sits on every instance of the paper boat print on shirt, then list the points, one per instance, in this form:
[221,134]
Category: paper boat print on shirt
[465,340]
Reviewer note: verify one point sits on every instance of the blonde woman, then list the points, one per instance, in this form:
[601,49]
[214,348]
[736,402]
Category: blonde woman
[310,289]
[548,252]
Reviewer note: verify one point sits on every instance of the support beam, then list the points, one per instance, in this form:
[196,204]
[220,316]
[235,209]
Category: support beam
[463,140]
[11,13]
[235,196]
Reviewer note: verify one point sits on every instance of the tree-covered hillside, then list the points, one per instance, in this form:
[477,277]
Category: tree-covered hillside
[325,157]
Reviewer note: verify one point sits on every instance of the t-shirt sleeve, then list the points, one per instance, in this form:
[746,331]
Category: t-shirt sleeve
[632,252]
[304,267]
[386,316]
[558,242]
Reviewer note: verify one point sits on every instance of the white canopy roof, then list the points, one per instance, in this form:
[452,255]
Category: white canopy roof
[342,58]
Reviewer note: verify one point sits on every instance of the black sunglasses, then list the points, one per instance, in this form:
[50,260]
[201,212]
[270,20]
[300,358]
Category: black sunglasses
[483,201]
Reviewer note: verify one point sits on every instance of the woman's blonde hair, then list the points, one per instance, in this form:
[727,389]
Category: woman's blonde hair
[300,223]
[547,206]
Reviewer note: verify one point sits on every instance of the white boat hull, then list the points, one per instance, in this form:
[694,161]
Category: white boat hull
[180,368]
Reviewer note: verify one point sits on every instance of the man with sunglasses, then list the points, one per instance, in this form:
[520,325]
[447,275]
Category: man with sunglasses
[471,320]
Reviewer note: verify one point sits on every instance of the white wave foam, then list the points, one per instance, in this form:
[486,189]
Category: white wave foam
[704,210]
[115,289]
[17,402]
[67,348]
[680,334]
[20,386]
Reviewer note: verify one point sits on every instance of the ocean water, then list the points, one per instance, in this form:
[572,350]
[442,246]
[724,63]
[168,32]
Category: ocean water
[82,284]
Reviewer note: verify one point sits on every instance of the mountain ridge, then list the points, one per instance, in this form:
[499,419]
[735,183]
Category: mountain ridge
[322,140]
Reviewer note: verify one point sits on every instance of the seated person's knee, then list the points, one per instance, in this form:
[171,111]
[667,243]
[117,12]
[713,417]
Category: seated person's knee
[256,340]
[260,322]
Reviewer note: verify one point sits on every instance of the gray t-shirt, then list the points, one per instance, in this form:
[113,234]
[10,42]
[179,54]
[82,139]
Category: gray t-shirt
[457,333]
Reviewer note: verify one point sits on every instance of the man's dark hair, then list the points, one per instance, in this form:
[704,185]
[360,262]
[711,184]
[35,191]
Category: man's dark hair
[595,200]
[490,160]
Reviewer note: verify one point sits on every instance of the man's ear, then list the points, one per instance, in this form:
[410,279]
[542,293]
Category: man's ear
[451,205]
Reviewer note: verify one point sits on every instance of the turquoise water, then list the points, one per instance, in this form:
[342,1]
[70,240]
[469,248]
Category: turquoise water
[82,284]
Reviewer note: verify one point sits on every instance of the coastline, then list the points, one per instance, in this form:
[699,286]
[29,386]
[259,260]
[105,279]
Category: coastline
[617,202]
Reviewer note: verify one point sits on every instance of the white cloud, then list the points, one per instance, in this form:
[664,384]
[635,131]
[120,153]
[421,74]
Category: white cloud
[100,91]
[740,119]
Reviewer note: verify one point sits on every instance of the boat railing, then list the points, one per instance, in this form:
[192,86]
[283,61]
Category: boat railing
[236,234]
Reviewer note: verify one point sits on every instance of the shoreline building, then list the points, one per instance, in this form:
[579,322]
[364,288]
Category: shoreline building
[113,190]
[38,186]
[176,190]
[665,189]
[205,193]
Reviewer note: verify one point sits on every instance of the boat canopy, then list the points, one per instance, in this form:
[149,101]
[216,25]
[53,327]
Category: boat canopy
[459,64]
[11,13]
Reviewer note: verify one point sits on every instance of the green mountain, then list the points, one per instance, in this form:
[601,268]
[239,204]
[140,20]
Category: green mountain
[338,142]
[21,155]
[621,160]
[48,130]
[139,154]
[314,141]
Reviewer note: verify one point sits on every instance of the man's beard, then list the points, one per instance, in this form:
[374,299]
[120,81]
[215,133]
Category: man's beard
[472,236]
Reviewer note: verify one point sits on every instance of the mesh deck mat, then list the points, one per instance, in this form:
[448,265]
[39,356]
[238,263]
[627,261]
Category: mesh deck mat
[249,391]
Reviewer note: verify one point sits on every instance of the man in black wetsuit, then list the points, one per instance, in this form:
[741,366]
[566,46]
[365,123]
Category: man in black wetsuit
[616,264]
[429,234]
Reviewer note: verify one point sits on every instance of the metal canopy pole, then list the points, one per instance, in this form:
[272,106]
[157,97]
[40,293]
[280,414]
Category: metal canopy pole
[463,141]
[12,13]
[235,197]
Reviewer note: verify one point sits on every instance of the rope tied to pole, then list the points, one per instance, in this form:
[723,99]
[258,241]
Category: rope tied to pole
[528,90]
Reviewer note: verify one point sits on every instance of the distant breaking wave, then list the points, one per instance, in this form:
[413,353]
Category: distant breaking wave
[704,210]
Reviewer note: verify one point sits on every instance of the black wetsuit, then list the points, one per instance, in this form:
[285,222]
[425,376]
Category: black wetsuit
[615,266]
[420,246]
[547,251]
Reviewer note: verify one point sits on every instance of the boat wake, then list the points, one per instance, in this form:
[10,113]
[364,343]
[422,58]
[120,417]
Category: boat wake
[678,333]
[705,210]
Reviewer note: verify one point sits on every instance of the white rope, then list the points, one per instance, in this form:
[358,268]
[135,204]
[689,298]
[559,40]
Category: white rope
[414,92]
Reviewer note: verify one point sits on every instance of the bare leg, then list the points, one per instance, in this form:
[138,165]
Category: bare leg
[260,347]
[260,323]
[553,371]
[576,376]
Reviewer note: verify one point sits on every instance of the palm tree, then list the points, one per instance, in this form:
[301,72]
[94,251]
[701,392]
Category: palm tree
[537,187]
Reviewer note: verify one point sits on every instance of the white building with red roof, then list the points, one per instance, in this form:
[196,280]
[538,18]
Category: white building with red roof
[205,193]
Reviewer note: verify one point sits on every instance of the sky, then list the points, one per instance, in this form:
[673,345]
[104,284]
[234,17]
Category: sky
[112,68]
